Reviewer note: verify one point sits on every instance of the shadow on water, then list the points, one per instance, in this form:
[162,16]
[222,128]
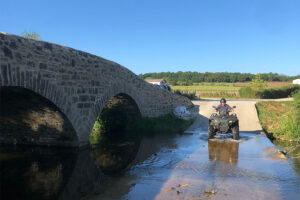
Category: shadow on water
[37,172]
[34,172]
[131,170]
[60,173]
[112,157]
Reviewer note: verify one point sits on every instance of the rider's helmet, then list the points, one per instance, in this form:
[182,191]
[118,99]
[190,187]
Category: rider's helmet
[223,100]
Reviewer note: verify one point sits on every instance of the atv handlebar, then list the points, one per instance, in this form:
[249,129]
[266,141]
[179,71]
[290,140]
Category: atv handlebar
[216,107]
[230,111]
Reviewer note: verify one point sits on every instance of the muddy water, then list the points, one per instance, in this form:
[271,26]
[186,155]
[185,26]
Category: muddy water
[163,167]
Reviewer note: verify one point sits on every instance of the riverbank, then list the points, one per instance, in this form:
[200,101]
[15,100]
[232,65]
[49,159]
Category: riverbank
[280,120]
[144,126]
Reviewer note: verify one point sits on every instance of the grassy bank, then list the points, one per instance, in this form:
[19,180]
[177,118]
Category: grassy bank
[159,125]
[140,127]
[281,120]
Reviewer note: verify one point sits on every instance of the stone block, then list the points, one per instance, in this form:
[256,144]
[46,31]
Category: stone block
[4,74]
[7,52]
[80,105]
[83,98]
[43,66]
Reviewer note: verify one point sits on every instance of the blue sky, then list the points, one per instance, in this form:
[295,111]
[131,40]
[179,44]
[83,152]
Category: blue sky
[253,36]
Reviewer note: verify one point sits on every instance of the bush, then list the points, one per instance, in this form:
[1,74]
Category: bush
[272,93]
[248,92]
[296,96]
[278,93]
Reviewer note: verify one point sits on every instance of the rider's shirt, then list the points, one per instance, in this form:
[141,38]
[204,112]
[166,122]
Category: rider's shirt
[224,109]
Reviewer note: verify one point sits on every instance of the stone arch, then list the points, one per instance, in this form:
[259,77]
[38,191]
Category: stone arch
[102,100]
[27,117]
[16,76]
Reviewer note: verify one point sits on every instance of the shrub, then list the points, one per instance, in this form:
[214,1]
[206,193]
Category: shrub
[278,92]
[296,96]
[248,92]
[272,93]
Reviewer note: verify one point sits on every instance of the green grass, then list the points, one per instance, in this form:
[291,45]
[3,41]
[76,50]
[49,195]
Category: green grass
[281,120]
[214,90]
[96,136]
[214,84]
[268,92]
[221,94]
[207,88]
[228,90]
[167,124]
[141,127]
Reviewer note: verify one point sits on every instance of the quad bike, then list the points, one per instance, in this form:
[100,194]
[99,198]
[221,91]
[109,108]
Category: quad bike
[223,123]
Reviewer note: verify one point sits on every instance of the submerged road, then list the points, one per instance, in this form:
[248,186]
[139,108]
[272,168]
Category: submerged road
[222,168]
[191,167]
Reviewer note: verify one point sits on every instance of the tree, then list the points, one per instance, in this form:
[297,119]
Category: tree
[196,77]
[32,35]
[258,82]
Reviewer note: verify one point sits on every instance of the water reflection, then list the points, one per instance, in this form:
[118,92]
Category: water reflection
[223,151]
[34,173]
[60,173]
[113,157]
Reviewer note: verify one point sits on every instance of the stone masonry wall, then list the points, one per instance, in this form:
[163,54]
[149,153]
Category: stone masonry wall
[78,83]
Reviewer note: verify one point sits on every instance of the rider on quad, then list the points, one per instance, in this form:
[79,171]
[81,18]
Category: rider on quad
[223,108]
[223,122]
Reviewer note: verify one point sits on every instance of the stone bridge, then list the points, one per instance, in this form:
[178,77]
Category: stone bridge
[79,84]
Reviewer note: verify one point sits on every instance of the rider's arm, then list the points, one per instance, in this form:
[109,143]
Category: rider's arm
[229,108]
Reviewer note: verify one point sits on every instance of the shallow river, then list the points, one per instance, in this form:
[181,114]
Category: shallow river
[185,166]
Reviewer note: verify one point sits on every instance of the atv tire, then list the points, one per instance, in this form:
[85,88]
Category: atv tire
[211,132]
[235,131]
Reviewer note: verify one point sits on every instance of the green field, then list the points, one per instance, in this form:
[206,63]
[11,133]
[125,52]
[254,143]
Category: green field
[202,90]
[207,88]
[226,90]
